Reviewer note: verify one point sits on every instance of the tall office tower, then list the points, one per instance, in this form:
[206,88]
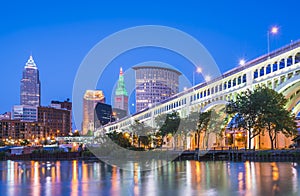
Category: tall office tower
[90,100]
[154,84]
[121,95]
[30,85]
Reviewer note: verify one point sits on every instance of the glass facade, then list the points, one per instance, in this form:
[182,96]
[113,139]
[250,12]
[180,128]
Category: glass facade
[154,84]
[103,114]
[30,85]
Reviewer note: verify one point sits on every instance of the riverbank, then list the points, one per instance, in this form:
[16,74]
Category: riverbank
[242,155]
[50,156]
[209,155]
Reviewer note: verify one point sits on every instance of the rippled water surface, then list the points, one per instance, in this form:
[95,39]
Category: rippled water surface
[177,178]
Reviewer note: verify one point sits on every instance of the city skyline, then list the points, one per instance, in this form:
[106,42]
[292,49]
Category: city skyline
[150,98]
[53,40]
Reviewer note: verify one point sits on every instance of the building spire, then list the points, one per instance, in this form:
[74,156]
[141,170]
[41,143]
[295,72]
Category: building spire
[121,90]
[30,63]
[121,71]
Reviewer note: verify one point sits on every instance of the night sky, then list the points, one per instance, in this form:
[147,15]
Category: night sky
[60,33]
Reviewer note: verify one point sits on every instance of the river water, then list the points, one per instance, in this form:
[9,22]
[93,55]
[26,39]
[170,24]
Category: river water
[177,178]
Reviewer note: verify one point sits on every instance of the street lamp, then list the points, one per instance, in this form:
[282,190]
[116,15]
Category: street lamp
[198,70]
[242,62]
[273,31]
[207,78]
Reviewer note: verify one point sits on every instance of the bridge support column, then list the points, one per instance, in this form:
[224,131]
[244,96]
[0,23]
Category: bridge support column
[273,83]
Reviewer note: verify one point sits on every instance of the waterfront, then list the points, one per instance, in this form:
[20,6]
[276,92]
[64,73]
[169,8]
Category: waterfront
[177,178]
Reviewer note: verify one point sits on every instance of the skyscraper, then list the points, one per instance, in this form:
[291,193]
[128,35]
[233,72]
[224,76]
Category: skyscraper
[30,85]
[90,100]
[154,84]
[121,95]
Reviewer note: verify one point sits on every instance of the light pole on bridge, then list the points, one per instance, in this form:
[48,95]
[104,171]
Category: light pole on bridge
[198,70]
[273,31]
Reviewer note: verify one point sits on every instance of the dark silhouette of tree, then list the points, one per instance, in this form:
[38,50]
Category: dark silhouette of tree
[119,138]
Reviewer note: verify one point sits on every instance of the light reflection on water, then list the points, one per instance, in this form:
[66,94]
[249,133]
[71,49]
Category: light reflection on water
[177,178]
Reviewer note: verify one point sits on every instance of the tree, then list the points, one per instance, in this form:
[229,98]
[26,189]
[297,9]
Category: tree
[247,110]
[188,124]
[160,120]
[142,131]
[119,138]
[202,125]
[274,118]
[216,125]
[168,124]
[262,109]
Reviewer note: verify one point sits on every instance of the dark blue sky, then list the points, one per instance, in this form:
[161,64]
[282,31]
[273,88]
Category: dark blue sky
[60,33]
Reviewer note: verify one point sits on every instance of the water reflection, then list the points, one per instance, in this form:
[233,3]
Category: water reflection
[177,178]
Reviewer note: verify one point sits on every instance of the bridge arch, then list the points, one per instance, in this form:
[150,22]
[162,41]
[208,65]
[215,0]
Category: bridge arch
[288,83]
[292,103]
[291,90]
[214,104]
[296,109]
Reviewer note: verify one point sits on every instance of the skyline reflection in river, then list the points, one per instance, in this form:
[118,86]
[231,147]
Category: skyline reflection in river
[176,178]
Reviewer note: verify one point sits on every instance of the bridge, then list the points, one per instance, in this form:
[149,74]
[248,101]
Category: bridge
[279,70]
